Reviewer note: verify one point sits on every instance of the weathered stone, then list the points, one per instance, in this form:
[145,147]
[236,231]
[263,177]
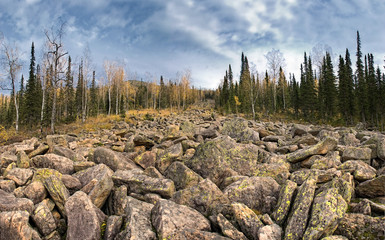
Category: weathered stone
[112,159]
[214,158]
[42,173]
[296,222]
[270,232]
[35,191]
[23,160]
[168,156]
[284,202]
[113,226]
[322,147]
[328,209]
[279,172]
[68,153]
[205,197]
[142,140]
[356,153]
[345,188]
[14,226]
[228,229]
[299,130]
[360,170]
[357,226]
[372,188]
[53,161]
[349,139]
[138,221]
[238,129]
[335,238]
[362,207]
[56,140]
[42,149]
[146,159]
[169,217]
[381,148]
[182,176]
[70,182]
[84,218]
[194,234]
[58,192]
[19,175]
[7,185]
[258,193]
[140,183]
[9,202]
[79,166]
[153,172]
[43,219]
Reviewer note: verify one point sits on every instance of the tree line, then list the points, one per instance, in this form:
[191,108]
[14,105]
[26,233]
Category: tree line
[321,94]
[60,91]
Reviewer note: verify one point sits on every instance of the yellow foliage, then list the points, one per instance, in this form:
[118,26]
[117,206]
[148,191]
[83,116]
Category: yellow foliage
[6,134]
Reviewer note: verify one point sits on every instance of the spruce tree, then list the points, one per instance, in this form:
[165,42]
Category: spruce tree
[330,94]
[361,88]
[69,94]
[93,97]
[79,91]
[372,89]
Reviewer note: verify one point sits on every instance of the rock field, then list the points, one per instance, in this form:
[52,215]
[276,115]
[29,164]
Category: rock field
[196,176]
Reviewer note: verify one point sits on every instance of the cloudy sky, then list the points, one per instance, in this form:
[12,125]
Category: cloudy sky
[163,37]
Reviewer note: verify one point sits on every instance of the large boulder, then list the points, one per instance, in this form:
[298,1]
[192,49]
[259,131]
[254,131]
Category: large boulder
[322,147]
[372,188]
[62,164]
[194,234]
[169,217]
[19,175]
[146,159]
[138,219]
[381,148]
[357,226]
[360,170]
[214,159]
[258,193]
[44,219]
[237,128]
[8,202]
[58,192]
[284,202]
[279,172]
[170,155]
[344,185]
[270,232]
[112,159]
[356,153]
[84,218]
[297,220]
[137,182]
[205,197]
[14,226]
[182,176]
[328,209]
[228,229]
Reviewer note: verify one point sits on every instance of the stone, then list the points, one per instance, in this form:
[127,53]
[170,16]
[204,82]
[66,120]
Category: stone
[279,172]
[84,218]
[299,130]
[153,172]
[327,211]
[284,202]
[9,202]
[20,175]
[359,226]
[79,166]
[14,226]
[194,234]
[345,188]
[322,147]
[356,153]
[44,219]
[58,192]
[237,128]
[70,182]
[170,155]
[214,158]
[68,153]
[182,176]
[142,140]
[23,160]
[146,159]
[296,222]
[205,197]
[360,170]
[258,193]
[56,140]
[41,149]
[362,207]
[35,191]
[270,232]
[113,226]
[7,185]
[228,230]
[169,217]
[335,238]
[112,159]
[62,164]
[381,148]
[140,183]
[138,219]
[372,188]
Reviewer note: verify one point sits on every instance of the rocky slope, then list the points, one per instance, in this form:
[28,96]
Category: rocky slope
[196,176]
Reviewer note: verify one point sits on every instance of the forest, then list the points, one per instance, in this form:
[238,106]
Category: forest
[323,94]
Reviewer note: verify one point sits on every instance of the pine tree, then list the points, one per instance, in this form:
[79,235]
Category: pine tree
[79,91]
[361,88]
[70,108]
[372,89]
[330,95]
[245,86]
[93,96]
[21,100]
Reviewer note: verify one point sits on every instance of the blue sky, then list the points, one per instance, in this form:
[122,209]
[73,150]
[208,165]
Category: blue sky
[163,37]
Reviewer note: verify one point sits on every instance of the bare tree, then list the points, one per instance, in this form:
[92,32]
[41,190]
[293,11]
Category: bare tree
[109,68]
[185,82]
[86,74]
[275,60]
[12,65]
[56,54]
[317,54]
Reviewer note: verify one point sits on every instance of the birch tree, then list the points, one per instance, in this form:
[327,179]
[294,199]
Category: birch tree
[275,60]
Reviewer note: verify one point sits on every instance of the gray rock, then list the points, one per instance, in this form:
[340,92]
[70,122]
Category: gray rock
[84,218]
[14,226]
[23,160]
[53,161]
[114,224]
[170,155]
[322,147]
[44,219]
[360,170]
[35,191]
[19,175]
[112,159]
[270,232]
[182,176]
[68,153]
[7,185]
[381,148]
[259,193]
[356,153]
[228,229]
[237,128]
[194,234]
[284,202]
[58,192]
[9,202]
[146,159]
[372,188]
[169,217]
[358,226]
[279,172]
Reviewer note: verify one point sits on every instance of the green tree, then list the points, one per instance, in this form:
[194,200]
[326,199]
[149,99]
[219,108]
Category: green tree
[70,108]
[361,88]
[93,96]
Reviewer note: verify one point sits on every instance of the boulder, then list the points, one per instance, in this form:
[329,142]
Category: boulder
[138,182]
[237,128]
[112,159]
[284,202]
[299,130]
[344,185]
[381,148]
[113,226]
[258,193]
[14,226]
[182,176]
[146,159]
[279,172]
[44,219]
[35,191]
[143,140]
[322,147]
[23,160]
[213,159]
[62,164]
[360,170]
[19,175]
[194,234]
[297,220]
[68,153]
[228,229]
[205,197]
[356,153]
[41,149]
[56,140]
[170,155]
[327,211]
[372,188]
[7,185]
[270,232]
[169,217]
[9,202]
[358,226]
[84,218]
[58,192]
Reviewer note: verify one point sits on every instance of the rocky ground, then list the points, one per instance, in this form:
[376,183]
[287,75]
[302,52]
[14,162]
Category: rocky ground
[196,176]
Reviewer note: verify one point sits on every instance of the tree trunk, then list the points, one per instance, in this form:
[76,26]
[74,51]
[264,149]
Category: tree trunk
[42,110]
[16,107]
[53,109]
[109,100]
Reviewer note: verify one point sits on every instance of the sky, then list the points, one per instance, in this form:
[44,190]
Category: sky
[166,37]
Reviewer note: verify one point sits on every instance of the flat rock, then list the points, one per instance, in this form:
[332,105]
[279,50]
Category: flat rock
[356,153]
[43,219]
[372,188]
[358,226]
[284,202]
[9,202]
[20,175]
[182,176]
[360,170]
[14,226]
[112,159]
[62,164]
[322,147]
